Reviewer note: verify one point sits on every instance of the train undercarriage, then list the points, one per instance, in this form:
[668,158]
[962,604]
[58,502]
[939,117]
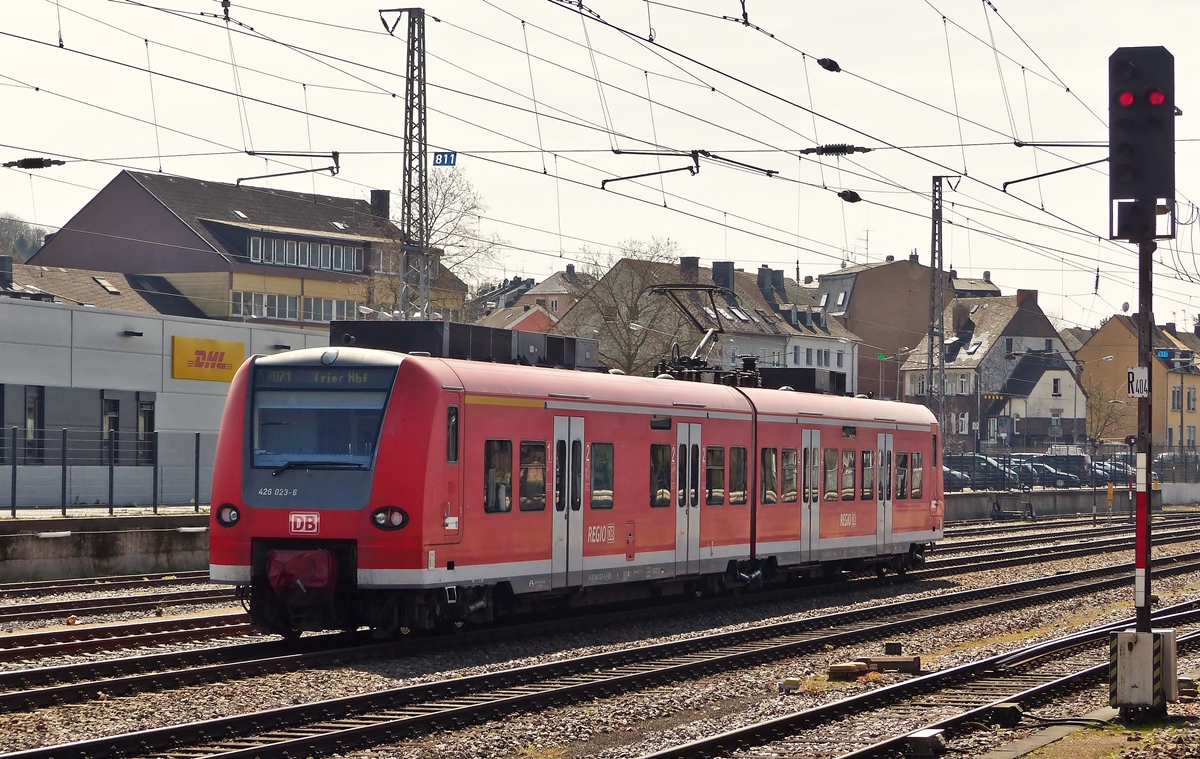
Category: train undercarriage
[312,586]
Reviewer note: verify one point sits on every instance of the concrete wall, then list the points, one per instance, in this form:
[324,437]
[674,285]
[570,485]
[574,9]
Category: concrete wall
[960,506]
[29,549]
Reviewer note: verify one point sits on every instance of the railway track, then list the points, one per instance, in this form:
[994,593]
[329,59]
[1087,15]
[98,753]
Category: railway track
[22,612]
[34,645]
[955,696]
[1049,534]
[114,582]
[342,724]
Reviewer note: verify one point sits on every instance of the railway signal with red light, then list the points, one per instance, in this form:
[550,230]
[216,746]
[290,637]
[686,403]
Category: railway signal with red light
[1141,143]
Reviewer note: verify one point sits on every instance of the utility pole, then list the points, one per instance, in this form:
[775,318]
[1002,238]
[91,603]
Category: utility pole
[416,256]
[937,311]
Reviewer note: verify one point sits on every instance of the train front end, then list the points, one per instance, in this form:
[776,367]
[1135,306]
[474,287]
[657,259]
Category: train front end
[295,484]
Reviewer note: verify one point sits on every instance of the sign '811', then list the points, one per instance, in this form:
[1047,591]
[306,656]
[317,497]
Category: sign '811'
[449,158]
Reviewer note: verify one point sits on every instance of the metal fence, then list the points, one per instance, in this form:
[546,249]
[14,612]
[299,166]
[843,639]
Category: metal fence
[75,468]
[1005,468]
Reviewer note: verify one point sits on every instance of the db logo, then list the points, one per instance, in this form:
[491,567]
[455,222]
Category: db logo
[305,522]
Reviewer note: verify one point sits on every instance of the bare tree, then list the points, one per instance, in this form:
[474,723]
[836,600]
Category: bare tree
[19,238]
[636,328]
[1108,415]
[455,209]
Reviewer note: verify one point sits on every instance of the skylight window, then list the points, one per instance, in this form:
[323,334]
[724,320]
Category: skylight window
[725,313]
[107,286]
[974,308]
[239,214]
[711,314]
[740,314]
[974,347]
[824,300]
[841,301]
[339,225]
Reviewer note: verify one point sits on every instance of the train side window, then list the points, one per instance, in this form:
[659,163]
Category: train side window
[681,491]
[497,475]
[868,475]
[560,475]
[452,435]
[737,475]
[714,475]
[576,475]
[830,478]
[917,475]
[770,475]
[602,475]
[849,457]
[933,461]
[660,474]
[788,475]
[533,475]
[901,475]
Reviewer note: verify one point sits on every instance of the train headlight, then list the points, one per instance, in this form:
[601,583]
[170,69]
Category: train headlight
[228,515]
[389,518]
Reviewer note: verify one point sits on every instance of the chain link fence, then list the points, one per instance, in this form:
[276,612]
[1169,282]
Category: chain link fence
[75,468]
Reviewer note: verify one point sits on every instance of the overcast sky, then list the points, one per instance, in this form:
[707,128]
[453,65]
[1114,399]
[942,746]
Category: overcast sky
[512,87]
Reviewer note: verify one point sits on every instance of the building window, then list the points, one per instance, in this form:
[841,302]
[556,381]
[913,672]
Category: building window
[840,356]
[1056,419]
[326,256]
[497,475]
[35,424]
[302,256]
[1049,345]
[1191,436]
[338,260]
[328,309]
[964,423]
[920,384]
[145,432]
[110,430]
[964,384]
[554,305]
[808,356]
[269,251]
[1176,397]
[826,352]
[796,355]
[1191,398]
[1008,346]
[359,259]
[1056,387]
[255,248]
[1170,436]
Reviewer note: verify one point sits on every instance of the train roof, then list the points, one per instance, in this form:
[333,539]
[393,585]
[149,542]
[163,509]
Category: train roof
[511,380]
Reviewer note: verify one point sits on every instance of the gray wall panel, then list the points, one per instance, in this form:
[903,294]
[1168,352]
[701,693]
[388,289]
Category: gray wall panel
[116,371]
[103,330]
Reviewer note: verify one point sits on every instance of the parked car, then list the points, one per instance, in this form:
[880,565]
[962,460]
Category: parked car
[1075,464]
[954,481]
[1035,473]
[985,472]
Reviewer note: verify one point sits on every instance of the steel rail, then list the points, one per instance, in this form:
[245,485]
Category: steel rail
[111,582]
[113,604]
[95,637]
[767,732]
[341,724]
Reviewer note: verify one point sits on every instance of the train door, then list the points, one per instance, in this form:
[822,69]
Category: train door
[566,564]
[452,505]
[883,492]
[810,487]
[687,496]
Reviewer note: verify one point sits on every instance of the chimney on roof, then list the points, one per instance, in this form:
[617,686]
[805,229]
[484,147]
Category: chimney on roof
[954,274]
[6,273]
[962,312]
[777,279]
[689,268]
[808,279]
[764,283]
[889,259]
[526,307]
[987,277]
[381,204]
[916,259]
[722,274]
[570,270]
[1026,298]
[1169,328]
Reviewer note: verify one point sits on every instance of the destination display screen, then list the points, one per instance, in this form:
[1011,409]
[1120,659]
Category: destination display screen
[324,377]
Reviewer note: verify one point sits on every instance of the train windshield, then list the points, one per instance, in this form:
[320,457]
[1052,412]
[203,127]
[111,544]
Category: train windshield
[318,417]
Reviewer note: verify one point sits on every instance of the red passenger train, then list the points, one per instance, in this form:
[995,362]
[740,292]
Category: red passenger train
[365,487]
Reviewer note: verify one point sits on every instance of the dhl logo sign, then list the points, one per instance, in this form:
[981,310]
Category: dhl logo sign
[203,359]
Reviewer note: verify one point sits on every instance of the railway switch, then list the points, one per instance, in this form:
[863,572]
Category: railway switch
[1142,674]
